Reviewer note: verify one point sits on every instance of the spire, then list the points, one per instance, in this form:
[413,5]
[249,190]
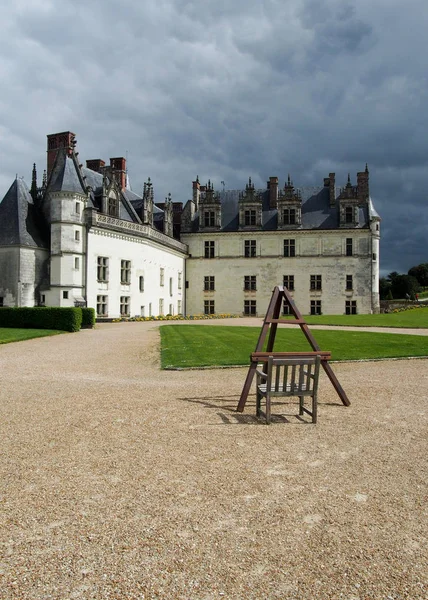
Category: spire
[367,169]
[45,179]
[349,181]
[289,179]
[33,190]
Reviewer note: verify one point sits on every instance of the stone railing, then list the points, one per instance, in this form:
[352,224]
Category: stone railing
[100,220]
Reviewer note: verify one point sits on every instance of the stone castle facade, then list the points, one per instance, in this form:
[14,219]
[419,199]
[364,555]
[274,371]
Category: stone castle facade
[84,238]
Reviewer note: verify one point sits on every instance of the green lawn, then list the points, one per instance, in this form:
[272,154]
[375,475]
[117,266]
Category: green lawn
[8,334]
[198,346]
[414,319]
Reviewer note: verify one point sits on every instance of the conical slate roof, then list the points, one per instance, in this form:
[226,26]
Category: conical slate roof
[19,219]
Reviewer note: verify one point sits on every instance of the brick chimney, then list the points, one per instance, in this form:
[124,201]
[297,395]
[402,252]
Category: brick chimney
[57,141]
[95,164]
[118,166]
[273,192]
[363,185]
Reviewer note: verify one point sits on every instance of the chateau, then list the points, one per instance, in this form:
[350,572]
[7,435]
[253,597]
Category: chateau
[83,238]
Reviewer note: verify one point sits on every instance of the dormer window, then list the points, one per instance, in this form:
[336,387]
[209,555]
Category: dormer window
[349,214]
[113,206]
[250,217]
[250,207]
[209,218]
[289,216]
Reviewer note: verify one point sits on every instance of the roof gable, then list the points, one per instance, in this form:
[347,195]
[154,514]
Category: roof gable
[20,221]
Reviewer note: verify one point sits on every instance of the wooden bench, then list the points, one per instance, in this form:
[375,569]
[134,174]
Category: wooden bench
[262,357]
[294,375]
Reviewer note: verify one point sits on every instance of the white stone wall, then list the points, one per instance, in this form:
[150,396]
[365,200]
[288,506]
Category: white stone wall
[67,264]
[317,253]
[22,270]
[9,269]
[147,259]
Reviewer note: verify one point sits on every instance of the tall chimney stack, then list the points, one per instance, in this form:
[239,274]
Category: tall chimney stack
[56,142]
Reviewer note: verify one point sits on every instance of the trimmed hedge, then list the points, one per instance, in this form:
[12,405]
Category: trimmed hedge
[88,318]
[49,317]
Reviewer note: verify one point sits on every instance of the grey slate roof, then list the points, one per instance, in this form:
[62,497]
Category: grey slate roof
[20,222]
[65,177]
[316,211]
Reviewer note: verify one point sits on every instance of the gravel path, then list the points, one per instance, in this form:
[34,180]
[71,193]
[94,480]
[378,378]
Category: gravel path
[120,481]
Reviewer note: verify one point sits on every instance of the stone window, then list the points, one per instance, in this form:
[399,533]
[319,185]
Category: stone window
[316,282]
[250,307]
[250,283]
[288,282]
[171,309]
[42,299]
[209,249]
[289,248]
[250,217]
[125,305]
[349,247]
[209,283]
[209,218]
[250,248]
[141,280]
[102,268]
[316,307]
[179,307]
[142,311]
[351,307]
[77,236]
[285,308]
[65,295]
[170,285]
[180,279]
[349,214]
[102,306]
[113,206]
[125,272]
[150,309]
[162,276]
[349,282]
[161,307]
[289,216]
[209,307]
[77,208]
[76,263]
[2,300]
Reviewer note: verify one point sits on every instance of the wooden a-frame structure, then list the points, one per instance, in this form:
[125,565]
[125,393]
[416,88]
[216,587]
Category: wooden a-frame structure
[271,320]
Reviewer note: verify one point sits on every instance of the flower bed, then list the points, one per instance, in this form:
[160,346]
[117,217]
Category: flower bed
[178,318]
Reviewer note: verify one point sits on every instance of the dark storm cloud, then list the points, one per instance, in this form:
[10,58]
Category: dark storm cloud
[228,90]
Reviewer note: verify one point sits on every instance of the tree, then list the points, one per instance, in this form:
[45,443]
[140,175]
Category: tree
[393,275]
[420,273]
[384,287]
[405,284]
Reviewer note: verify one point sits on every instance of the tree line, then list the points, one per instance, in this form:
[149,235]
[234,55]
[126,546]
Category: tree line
[398,286]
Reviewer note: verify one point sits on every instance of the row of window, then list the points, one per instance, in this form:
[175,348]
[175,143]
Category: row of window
[289,217]
[250,248]
[125,274]
[125,307]
[250,307]
[250,282]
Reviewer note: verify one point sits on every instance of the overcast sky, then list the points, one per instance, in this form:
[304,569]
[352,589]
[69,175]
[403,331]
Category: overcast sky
[228,89]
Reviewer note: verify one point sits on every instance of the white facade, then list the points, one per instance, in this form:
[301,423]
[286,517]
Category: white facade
[134,276]
[322,254]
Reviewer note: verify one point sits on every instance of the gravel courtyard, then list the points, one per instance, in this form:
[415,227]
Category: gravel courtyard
[122,481]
